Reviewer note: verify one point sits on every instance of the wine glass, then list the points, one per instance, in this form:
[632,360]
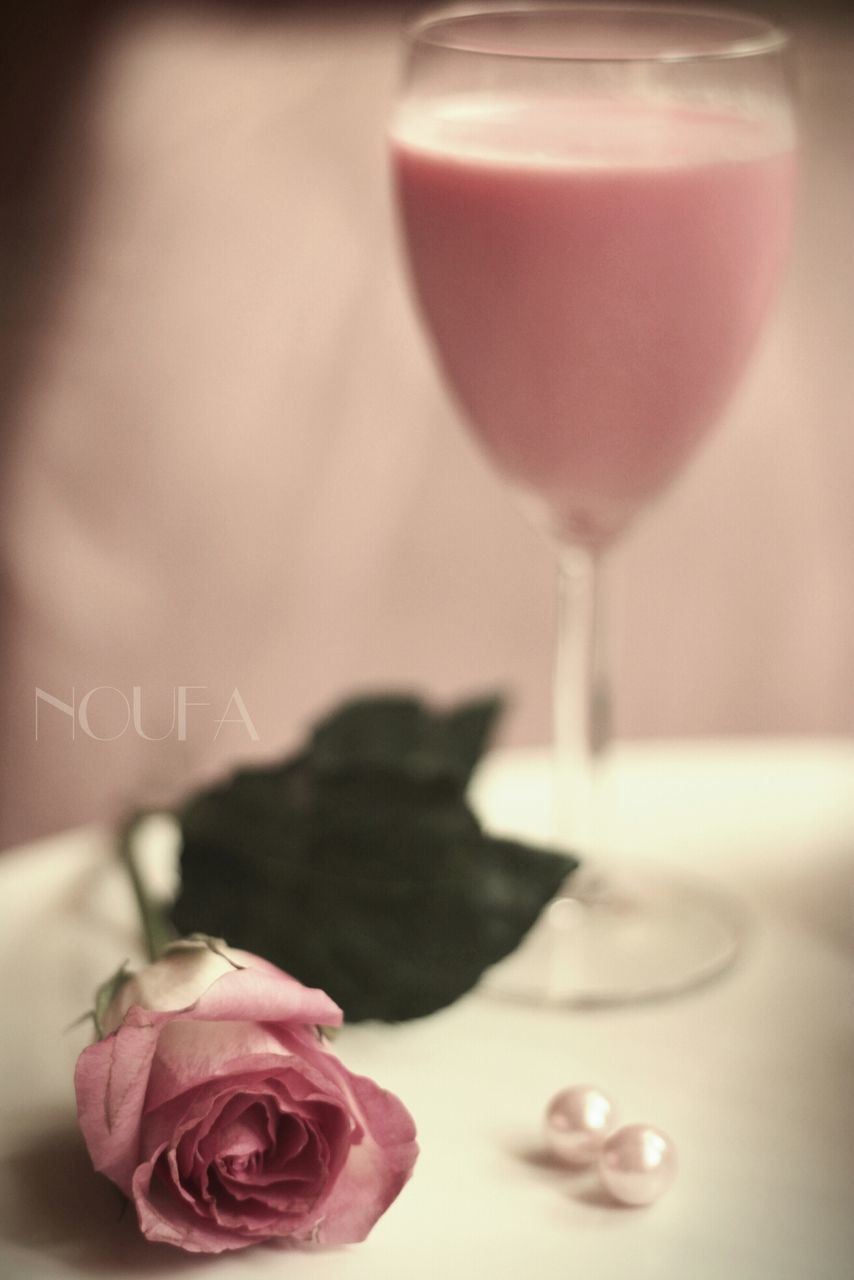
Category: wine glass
[595,202]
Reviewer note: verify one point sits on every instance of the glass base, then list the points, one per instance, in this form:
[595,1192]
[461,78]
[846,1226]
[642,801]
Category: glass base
[640,935]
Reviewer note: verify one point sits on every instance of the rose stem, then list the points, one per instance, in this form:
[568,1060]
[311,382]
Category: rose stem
[156,930]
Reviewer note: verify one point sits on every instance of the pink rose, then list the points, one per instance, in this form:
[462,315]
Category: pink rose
[215,1106]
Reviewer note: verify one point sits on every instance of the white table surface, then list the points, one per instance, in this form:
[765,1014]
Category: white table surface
[751,1075]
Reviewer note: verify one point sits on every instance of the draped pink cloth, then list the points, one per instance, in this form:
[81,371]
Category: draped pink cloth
[228,463]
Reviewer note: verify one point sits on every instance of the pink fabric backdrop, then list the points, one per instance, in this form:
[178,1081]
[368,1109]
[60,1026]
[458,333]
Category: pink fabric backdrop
[229,464]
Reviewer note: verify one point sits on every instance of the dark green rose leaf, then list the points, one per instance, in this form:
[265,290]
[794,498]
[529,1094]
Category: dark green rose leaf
[398,733]
[359,867]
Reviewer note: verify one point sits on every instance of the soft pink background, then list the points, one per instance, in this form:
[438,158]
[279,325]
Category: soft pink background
[228,461]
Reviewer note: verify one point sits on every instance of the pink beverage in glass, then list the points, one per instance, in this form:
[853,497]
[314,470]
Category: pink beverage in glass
[594,275]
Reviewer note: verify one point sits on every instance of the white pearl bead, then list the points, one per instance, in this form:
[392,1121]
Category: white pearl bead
[637,1164]
[577,1121]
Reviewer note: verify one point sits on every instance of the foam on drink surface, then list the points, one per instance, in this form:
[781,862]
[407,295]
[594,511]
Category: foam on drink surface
[584,133]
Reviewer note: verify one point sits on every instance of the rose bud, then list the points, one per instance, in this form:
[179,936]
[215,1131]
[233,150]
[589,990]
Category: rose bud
[214,1104]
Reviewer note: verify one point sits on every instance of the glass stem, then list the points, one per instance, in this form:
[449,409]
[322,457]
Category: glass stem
[581,702]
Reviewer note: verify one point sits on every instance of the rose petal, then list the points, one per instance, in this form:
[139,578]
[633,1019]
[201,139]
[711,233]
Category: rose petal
[266,995]
[190,1052]
[175,981]
[244,1137]
[236,1004]
[164,1217]
[110,1079]
[190,976]
[378,1167]
[186,1121]
[198,1124]
[292,1082]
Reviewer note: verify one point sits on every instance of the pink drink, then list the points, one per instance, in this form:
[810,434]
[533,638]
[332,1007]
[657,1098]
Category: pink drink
[594,275]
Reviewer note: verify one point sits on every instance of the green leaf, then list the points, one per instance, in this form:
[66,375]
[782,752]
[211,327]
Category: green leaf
[399,734]
[359,867]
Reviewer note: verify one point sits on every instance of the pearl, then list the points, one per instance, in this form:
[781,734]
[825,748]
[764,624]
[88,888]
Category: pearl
[637,1164]
[577,1122]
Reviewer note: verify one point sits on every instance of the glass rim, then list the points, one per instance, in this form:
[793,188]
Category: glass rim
[766,37]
